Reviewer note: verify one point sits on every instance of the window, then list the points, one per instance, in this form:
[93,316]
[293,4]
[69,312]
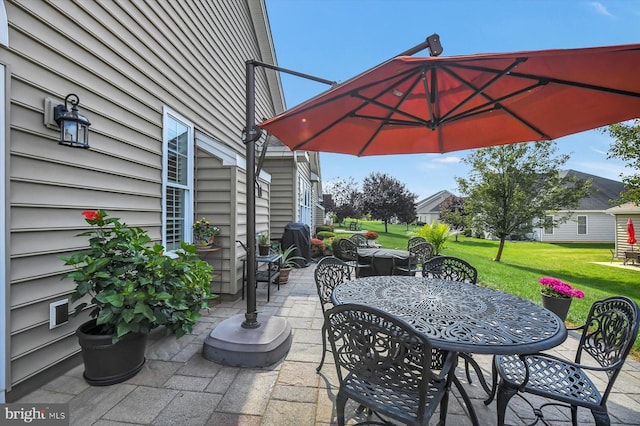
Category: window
[304,201]
[177,180]
[582,225]
[548,230]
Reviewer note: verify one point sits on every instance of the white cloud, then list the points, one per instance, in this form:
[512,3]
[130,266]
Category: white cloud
[447,160]
[601,9]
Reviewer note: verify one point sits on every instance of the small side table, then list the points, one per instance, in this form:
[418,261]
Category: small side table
[205,253]
[269,275]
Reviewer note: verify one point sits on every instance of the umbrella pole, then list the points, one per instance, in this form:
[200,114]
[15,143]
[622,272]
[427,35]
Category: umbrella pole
[251,134]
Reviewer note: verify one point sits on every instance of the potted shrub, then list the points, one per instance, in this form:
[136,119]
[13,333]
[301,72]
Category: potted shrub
[264,243]
[204,233]
[288,261]
[132,287]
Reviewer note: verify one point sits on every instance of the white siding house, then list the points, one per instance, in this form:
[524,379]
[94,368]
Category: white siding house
[590,222]
[428,209]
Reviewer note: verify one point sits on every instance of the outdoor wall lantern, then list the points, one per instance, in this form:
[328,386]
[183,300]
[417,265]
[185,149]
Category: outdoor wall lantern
[74,127]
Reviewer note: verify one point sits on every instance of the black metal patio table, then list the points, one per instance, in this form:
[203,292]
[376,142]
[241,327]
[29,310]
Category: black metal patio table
[459,317]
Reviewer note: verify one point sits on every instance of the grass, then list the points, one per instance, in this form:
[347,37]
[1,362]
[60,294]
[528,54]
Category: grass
[523,263]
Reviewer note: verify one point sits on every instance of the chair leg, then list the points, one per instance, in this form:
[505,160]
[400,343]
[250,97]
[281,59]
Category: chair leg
[504,395]
[341,401]
[601,417]
[324,349]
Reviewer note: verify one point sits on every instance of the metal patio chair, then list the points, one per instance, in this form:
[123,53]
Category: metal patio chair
[608,334]
[360,240]
[415,240]
[384,364]
[349,253]
[450,268]
[329,273]
[421,252]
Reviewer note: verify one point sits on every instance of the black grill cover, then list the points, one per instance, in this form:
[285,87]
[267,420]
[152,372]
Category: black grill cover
[298,234]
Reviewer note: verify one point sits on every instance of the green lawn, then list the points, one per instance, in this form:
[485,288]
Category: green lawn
[524,263]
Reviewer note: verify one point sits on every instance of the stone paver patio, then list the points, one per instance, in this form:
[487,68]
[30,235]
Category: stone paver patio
[177,386]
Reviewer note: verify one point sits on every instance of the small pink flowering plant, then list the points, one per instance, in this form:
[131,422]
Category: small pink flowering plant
[557,288]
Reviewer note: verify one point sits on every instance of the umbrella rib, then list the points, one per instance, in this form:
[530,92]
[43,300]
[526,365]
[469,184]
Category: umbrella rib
[544,79]
[480,90]
[353,113]
[391,110]
[580,85]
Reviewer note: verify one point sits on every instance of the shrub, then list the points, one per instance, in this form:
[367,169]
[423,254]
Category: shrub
[325,235]
[321,228]
[436,233]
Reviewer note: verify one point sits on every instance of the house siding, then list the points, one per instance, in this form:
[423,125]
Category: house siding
[283,210]
[621,232]
[599,229]
[126,61]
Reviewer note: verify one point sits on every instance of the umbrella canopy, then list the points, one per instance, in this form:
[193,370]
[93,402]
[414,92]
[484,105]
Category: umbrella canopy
[631,232]
[441,104]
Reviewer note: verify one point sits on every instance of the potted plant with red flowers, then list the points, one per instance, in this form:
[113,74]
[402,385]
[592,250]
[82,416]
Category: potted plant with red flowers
[371,237]
[131,287]
[557,295]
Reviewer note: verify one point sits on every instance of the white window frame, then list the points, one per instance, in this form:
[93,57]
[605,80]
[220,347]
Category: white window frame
[168,116]
[548,231]
[586,224]
[305,207]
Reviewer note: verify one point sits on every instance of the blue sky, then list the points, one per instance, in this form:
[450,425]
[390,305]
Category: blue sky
[337,39]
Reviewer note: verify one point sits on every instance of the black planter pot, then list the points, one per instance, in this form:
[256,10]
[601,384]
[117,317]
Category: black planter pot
[106,363]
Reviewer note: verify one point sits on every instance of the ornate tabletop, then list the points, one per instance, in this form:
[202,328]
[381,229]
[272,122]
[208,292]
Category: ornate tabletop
[459,316]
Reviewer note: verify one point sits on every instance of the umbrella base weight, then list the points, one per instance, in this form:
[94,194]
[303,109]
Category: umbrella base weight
[231,344]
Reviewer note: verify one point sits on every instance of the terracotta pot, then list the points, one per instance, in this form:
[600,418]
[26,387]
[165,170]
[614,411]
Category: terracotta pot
[284,275]
[557,305]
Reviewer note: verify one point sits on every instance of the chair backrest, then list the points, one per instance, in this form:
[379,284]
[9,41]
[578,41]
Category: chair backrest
[415,240]
[422,252]
[348,249]
[449,268]
[360,240]
[609,333]
[330,272]
[380,349]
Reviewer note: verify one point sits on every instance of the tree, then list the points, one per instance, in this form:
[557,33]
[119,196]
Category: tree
[627,148]
[452,213]
[384,197]
[511,186]
[345,197]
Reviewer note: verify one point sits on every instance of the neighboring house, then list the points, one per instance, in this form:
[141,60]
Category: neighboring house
[163,84]
[590,222]
[621,215]
[428,210]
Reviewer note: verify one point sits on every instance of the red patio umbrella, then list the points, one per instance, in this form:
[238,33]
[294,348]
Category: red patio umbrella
[631,231]
[441,104]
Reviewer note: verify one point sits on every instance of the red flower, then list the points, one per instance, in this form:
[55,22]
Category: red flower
[91,215]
